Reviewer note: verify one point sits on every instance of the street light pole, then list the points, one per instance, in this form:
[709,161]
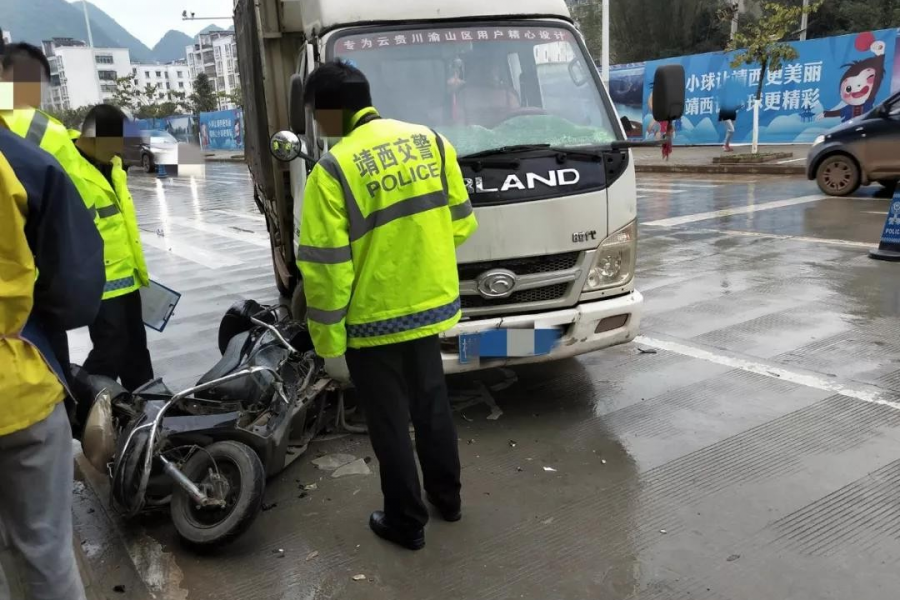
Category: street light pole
[604,61]
[804,21]
[735,21]
[87,23]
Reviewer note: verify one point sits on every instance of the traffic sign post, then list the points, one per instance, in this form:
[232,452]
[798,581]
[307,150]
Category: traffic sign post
[889,248]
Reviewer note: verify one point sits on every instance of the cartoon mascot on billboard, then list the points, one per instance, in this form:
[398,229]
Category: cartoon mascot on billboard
[861,82]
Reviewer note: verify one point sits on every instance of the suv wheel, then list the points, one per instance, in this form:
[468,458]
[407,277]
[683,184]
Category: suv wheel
[147,163]
[838,175]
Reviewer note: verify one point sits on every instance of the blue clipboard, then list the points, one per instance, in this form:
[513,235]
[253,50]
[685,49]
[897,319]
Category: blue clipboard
[158,304]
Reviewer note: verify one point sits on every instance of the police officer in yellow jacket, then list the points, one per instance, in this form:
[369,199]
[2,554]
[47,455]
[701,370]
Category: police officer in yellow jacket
[382,216]
[118,334]
[26,68]
[51,278]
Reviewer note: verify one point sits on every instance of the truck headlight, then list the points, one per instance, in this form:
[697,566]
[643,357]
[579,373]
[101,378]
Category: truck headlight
[614,263]
[819,140]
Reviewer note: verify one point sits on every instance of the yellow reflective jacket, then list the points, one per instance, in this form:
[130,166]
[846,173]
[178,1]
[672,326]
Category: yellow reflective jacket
[43,226]
[40,128]
[382,216]
[123,254]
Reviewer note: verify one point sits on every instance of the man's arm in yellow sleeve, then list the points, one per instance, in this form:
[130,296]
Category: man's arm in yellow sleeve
[326,263]
[461,211]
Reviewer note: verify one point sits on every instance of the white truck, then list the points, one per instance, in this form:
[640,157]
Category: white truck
[510,83]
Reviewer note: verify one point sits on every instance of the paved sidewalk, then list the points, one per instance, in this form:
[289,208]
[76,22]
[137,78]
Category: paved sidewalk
[699,159]
[224,155]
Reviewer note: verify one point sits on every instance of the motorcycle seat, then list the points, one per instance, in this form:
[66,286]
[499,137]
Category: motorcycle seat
[230,360]
[254,389]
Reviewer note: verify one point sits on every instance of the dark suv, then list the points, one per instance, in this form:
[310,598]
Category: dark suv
[859,152]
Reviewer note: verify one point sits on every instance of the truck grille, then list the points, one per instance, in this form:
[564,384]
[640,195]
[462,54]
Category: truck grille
[522,266]
[544,294]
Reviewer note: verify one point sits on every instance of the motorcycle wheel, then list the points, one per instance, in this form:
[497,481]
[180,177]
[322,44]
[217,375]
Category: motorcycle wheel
[230,471]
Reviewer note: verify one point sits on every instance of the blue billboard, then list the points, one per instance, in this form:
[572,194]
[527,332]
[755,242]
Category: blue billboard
[222,130]
[832,80]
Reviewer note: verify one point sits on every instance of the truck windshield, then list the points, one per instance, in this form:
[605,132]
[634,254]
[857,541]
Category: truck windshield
[485,87]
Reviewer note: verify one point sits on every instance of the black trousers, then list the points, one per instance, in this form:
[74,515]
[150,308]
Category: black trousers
[396,382]
[120,342]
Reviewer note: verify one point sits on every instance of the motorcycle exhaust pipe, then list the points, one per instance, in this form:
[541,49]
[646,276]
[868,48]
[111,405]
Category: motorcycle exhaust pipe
[190,487]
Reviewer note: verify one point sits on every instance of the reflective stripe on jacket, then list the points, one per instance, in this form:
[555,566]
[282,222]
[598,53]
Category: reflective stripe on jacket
[43,130]
[43,226]
[123,254]
[382,215]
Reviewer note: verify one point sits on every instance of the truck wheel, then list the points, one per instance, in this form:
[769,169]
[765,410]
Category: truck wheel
[147,163]
[228,471]
[298,303]
[838,175]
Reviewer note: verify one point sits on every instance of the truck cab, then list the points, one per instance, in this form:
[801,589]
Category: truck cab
[546,162]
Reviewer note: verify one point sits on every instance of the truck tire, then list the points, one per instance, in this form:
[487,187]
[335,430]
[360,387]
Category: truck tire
[246,478]
[838,175]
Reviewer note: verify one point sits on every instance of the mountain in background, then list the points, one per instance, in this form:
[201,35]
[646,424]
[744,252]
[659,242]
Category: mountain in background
[33,21]
[171,46]
[207,29]
[119,35]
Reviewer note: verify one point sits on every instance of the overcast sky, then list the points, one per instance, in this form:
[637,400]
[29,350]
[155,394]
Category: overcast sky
[148,20]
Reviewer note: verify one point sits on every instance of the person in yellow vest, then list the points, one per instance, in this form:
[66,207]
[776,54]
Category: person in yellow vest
[118,334]
[26,68]
[382,216]
[46,229]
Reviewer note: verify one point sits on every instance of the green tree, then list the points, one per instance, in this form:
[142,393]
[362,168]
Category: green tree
[764,42]
[141,102]
[72,118]
[850,16]
[653,29]
[204,97]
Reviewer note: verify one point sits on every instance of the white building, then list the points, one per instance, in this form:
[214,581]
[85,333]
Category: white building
[7,38]
[171,77]
[81,75]
[216,55]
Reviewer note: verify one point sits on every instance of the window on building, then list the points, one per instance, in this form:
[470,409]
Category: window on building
[104,59]
[159,73]
[107,75]
[161,96]
[180,74]
[147,74]
[167,86]
[108,88]
[180,85]
[231,81]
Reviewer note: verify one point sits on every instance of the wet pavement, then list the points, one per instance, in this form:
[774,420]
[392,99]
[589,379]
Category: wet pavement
[746,446]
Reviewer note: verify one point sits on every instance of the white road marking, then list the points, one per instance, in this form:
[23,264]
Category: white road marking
[793,160]
[875,212]
[729,212]
[660,190]
[706,186]
[865,393]
[195,254]
[243,215]
[791,238]
[255,238]
[737,180]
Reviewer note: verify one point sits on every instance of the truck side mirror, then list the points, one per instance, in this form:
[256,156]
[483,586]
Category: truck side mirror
[668,93]
[296,107]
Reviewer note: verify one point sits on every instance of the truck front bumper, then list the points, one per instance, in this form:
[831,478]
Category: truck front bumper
[585,328]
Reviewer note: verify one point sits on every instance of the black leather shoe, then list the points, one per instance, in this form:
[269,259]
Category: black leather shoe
[452,515]
[414,540]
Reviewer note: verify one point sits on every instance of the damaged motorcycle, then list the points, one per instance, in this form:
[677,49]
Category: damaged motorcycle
[205,452]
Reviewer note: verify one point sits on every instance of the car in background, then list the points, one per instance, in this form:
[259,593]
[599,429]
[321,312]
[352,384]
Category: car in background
[146,150]
[859,152]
